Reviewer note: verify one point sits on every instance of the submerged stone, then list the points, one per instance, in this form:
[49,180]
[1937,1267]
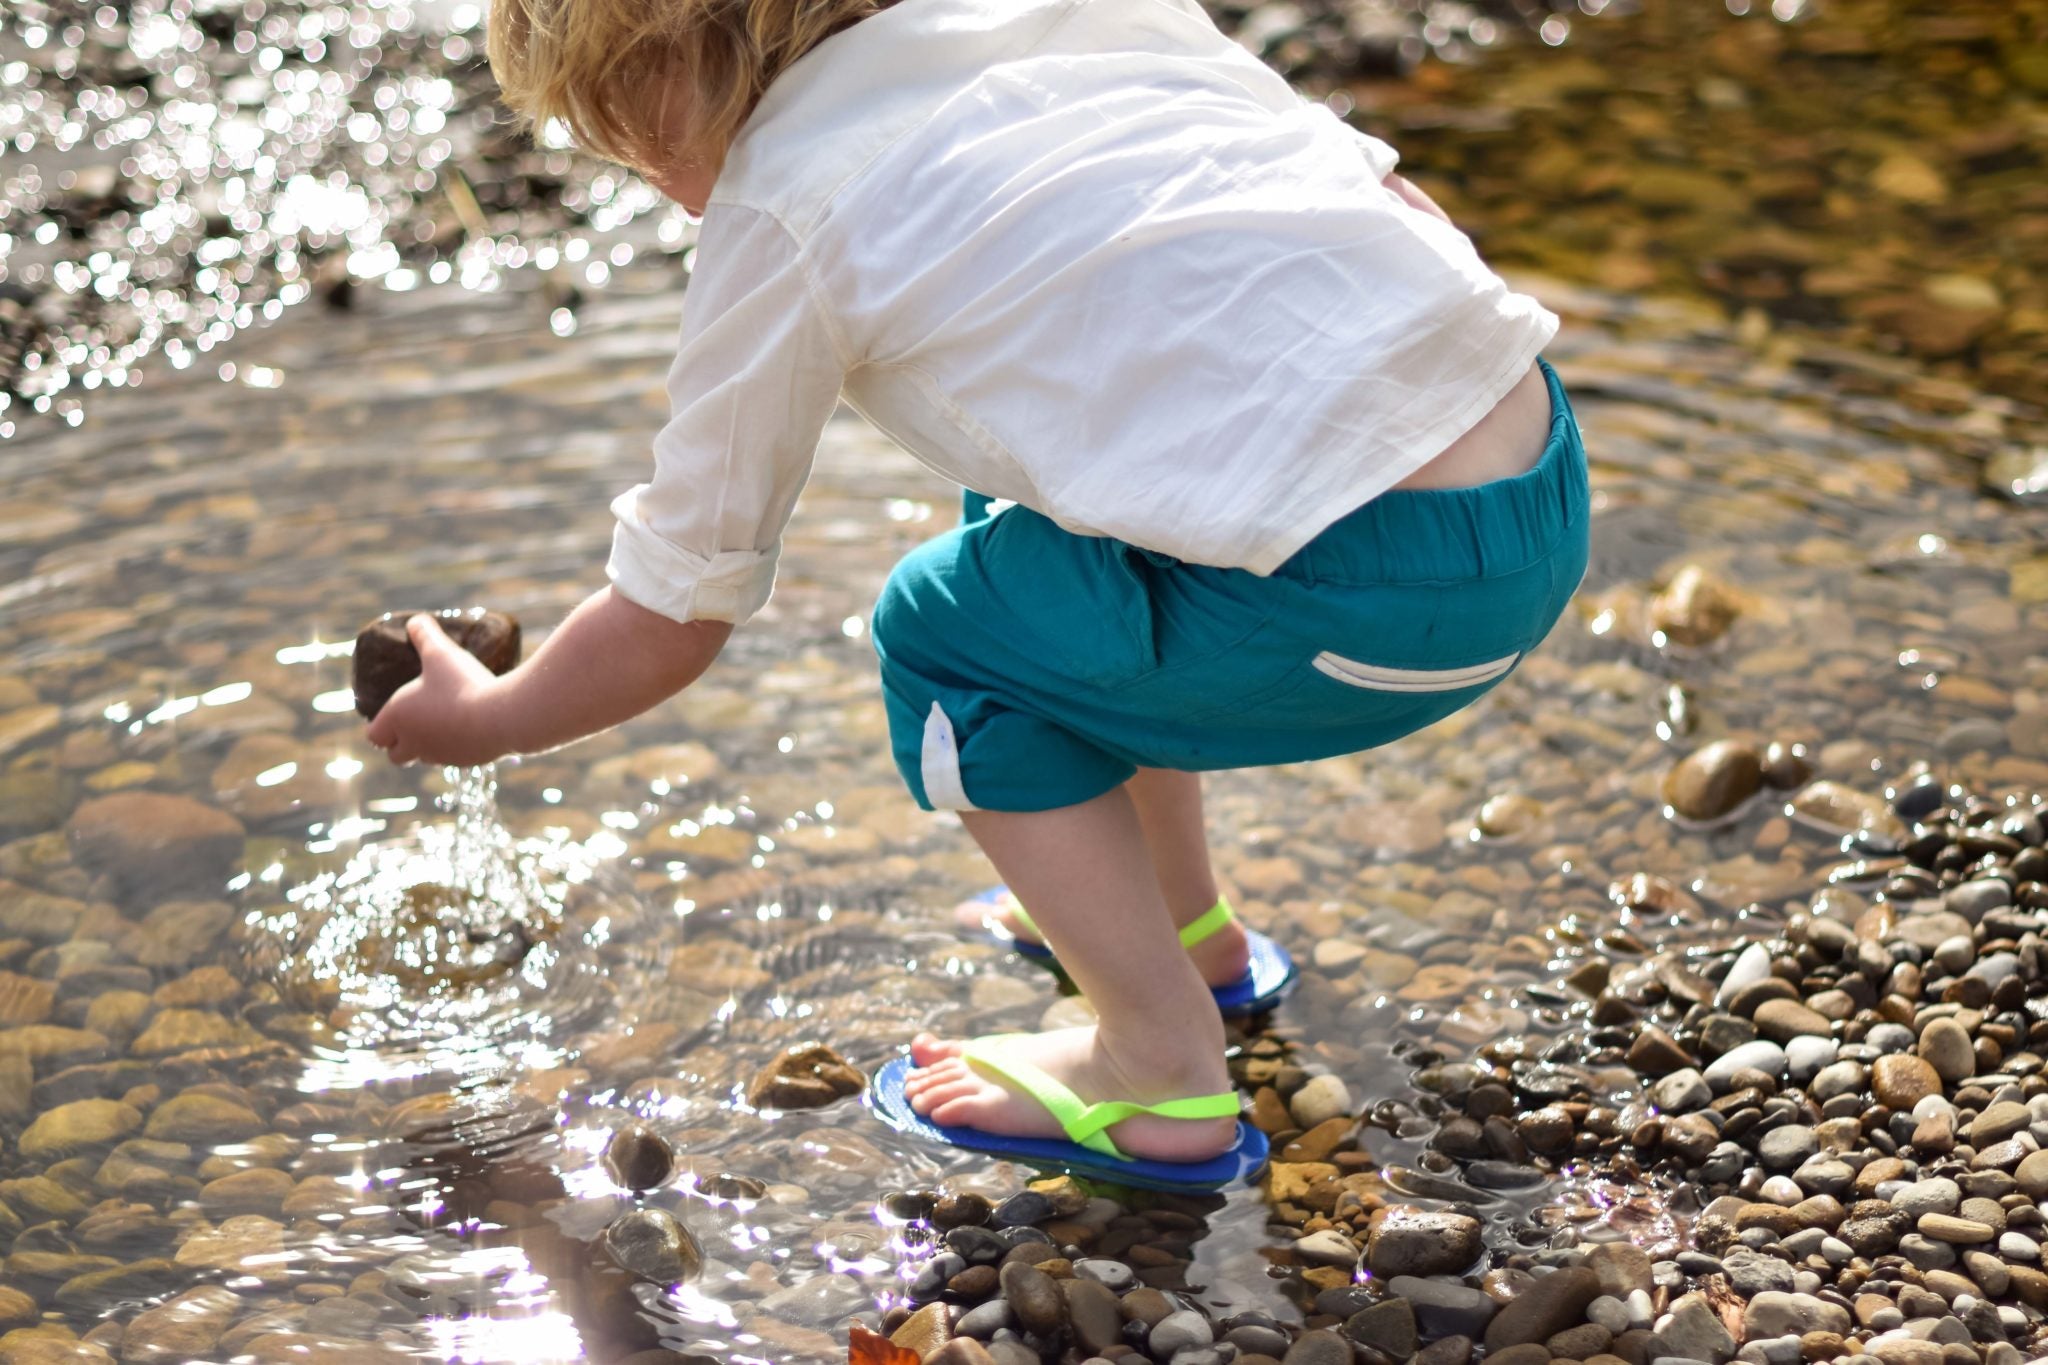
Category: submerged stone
[804,1076]
[638,1158]
[1713,781]
[653,1244]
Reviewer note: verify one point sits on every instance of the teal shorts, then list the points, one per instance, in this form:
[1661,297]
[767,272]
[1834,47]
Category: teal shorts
[1027,668]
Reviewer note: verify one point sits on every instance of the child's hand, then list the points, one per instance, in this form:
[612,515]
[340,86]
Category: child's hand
[440,716]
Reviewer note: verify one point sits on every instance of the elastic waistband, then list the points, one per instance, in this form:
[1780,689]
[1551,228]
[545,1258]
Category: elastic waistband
[1451,534]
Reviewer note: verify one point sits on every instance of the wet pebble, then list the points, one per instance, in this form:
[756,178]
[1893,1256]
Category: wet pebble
[804,1076]
[1405,1240]
[638,1158]
[1713,781]
[1177,1332]
[654,1244]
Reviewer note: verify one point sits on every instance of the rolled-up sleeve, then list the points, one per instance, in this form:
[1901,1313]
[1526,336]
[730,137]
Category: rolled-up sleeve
[756,376]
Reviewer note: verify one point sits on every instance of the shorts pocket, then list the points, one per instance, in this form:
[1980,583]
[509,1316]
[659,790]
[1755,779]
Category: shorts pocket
[1382,678]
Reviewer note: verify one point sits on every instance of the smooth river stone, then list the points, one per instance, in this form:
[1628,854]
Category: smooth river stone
[1902,1081]
[1806,1057]
[637,1158]
[1752,964]
[1783,1020]
[1944,1227]
[1946,1046]
[385,659]
[653,1244]
[1713,781]
[1554,1302]
[78,1127]
[2033,1176]
[1997,1123]
[1410,1241]
[151,843]
[1842,809]
[1764,1055]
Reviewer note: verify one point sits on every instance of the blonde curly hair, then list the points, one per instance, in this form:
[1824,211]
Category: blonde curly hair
[612,70]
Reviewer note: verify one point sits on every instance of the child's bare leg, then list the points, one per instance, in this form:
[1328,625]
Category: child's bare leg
[1170,808]
[1169,805]
[1158,1035]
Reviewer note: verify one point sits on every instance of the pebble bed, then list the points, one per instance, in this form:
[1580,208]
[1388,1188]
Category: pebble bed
[1858,1104]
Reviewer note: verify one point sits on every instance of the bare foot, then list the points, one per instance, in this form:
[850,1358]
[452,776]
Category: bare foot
[1222,958]
[948,1090]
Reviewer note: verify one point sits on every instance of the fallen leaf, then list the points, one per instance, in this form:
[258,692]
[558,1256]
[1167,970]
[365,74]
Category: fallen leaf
[871,1348]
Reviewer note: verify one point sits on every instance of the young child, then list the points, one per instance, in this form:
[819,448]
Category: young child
[1265,466]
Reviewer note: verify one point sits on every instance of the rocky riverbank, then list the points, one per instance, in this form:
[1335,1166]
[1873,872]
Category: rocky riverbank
[1857,1106]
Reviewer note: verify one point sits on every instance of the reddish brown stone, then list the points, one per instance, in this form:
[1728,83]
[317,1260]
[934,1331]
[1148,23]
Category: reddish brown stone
[385,659]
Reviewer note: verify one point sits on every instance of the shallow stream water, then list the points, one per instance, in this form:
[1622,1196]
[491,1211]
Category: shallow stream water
[436,1066]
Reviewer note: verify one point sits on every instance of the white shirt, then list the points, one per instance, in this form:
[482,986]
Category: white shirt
[1090,256]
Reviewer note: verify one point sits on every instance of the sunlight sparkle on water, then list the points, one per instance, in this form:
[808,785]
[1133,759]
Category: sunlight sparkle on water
[315,651]
[440,944]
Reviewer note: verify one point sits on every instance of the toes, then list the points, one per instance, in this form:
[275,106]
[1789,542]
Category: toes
[937,1097]
[926,1077]
[927,1049]
[964,1111]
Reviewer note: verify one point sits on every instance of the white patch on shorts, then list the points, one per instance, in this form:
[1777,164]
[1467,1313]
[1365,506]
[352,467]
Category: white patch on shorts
[941,764]
[1379,678]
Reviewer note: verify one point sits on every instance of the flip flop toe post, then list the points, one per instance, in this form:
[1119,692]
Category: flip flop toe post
[1087,1149]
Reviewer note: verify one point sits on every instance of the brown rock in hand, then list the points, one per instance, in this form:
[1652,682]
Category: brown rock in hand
[805,1076]
[385,659]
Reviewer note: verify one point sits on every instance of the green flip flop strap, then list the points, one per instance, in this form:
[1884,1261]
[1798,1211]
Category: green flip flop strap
[1206,926]
[1017,913]
[1085,1124]
[1209,924]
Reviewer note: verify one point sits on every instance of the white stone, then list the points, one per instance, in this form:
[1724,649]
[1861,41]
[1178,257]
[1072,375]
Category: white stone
[1693,1330]
[1751,966]
[1610,1313]
[1327,1248]
[1325,1097]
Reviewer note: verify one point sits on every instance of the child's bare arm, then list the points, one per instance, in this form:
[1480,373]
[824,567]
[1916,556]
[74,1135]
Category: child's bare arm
[609,661]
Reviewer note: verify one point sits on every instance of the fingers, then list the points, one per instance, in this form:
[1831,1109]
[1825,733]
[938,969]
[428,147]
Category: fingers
[427,636]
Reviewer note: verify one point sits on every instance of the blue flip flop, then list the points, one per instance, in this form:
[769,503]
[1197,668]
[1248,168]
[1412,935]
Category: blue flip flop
[1087,1151]
[1265,983]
